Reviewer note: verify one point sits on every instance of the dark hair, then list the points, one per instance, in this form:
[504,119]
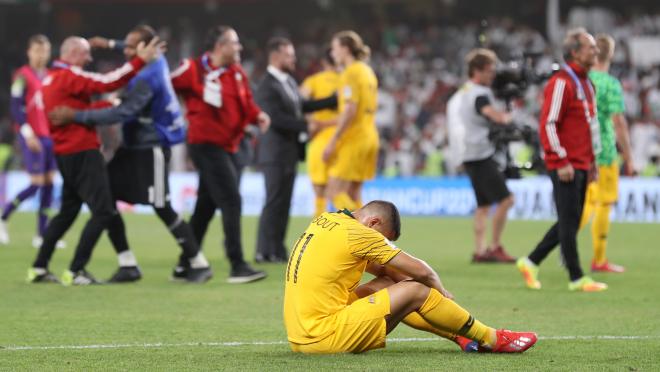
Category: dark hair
[275,43]
[354,43]
[37,39]
[214,35]
[478,59]
[327,56]
[147,33]
[390,214]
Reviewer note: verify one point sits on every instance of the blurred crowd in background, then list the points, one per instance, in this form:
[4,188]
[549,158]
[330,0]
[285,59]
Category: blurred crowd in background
[418,50]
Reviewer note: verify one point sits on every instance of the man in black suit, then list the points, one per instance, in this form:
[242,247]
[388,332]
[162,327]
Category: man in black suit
[282,146]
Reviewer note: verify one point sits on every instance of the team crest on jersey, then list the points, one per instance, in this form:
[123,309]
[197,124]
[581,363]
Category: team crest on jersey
[238,76]
[348,92]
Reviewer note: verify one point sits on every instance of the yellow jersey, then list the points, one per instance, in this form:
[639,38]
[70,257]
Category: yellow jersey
[322,85]
[325,266]
[358,84]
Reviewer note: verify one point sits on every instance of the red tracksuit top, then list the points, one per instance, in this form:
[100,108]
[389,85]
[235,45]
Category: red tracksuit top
[224,126]
[563,127]
[68,85]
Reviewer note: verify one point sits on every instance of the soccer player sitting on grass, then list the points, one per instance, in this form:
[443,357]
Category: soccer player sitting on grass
[326,310]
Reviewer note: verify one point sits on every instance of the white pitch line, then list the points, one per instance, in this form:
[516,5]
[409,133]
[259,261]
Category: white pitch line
[267,343]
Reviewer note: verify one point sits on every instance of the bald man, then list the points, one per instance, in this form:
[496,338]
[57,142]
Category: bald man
[80,162]
[326,310]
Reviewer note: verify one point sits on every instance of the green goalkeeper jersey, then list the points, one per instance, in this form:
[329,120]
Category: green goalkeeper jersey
[609,98]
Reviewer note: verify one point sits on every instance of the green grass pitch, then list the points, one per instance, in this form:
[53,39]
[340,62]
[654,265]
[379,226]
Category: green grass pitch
[159,325]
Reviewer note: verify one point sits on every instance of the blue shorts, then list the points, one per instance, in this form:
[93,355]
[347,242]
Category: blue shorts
[38,162]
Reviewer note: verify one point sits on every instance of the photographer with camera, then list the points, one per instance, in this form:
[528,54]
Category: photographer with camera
[478,114]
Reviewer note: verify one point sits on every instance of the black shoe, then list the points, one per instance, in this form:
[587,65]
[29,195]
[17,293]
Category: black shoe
[201,275]
[126,274]
[261,258]
[245,274]
[279,258]
[179,274]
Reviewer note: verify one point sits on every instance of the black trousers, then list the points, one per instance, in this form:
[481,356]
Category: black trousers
[279,180]
[141,176]
[569,200]
[218,188]
[85,181]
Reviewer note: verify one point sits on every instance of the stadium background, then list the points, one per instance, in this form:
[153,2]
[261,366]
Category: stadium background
[418,49]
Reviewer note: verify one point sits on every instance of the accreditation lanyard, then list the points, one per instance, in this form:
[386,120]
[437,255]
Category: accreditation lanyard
[212,88]
[581,94]
[212,73]
[60,64]
[592,120]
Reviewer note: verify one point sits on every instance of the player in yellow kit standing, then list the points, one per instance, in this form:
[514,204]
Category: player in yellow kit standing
[322,127]
[352,152]
[326,310]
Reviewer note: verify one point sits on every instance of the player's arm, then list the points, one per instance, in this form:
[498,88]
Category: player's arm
[379,270]
[485,108]
[17,103]
[623,139]
[104,43]
[617,107]
[92,83]
[418,271]
[329,102]
[132,103]
[17,112]
[344,119]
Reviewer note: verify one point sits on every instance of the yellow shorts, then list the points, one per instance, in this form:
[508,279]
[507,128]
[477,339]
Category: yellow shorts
[606,188]
[360,327]
[355,160]
[316,167]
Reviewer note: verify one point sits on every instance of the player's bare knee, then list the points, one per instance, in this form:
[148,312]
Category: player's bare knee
[418,293]
[508,201]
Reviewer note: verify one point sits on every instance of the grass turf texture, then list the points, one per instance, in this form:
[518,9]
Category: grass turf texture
[186,318]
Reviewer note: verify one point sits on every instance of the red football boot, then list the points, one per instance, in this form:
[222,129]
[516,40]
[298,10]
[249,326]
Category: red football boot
[466,344]
[512,342]
[607,267]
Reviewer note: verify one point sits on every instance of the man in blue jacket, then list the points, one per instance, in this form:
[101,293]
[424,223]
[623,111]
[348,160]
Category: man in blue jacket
[151,123]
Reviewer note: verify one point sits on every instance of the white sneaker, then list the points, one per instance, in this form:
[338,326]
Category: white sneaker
[4,234]
[37,241]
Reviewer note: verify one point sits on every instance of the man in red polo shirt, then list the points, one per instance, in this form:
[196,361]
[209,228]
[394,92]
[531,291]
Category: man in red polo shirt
[569,132]
[219,105]
[79,160]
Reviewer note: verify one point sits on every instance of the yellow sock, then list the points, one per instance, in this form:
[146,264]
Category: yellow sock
[358,203]
[589,205]
[599,230]
[447,315]
[416,321]
[342,200]
[319,206]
